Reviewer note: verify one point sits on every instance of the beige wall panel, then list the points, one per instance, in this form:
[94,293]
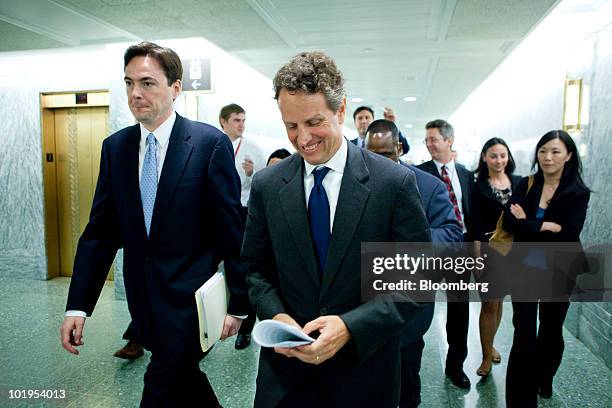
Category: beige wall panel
[65,121]
[50,185]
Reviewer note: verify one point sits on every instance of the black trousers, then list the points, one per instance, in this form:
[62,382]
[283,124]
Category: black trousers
[457,322]
[169,384]
[311,391]
[543,345]
[411,355]
[247,324]
[131,334]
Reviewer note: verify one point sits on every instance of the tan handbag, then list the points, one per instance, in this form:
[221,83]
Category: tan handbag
[501,240]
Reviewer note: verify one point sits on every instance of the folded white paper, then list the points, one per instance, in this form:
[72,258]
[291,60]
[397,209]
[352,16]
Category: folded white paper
[211,300]
[272,333]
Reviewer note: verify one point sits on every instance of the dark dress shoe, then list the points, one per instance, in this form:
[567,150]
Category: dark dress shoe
[545,391]
[458,378]
[131,351]
[242,341]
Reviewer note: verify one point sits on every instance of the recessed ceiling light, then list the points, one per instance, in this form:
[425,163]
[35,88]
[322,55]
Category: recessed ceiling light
[410,98]
[408,125]
[357,100]
[368,49]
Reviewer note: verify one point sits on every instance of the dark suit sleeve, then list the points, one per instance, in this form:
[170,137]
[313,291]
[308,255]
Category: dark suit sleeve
[98,244]
[257,254]
[224,193]
[441,216]
[375,322]
[405,145]
[512,224]
[573,221]
[477,210]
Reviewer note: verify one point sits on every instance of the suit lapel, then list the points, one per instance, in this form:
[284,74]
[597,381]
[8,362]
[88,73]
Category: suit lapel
[431,168]
[464,181]
[293,201]
[177,156]
[130,169]
[352,199]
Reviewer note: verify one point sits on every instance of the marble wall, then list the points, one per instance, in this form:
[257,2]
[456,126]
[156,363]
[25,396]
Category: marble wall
[592,322]
[520,102]
[24,75]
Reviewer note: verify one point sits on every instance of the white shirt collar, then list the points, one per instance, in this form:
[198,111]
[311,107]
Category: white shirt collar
[162,133]
[336,163]
[450,166]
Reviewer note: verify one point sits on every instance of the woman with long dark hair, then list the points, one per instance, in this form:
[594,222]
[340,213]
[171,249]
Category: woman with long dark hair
[494,185]
[553,210]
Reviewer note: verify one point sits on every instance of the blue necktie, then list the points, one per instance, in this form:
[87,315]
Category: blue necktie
[318,213]
[148,181]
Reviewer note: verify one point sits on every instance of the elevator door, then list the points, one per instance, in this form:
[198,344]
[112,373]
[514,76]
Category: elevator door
[79,133]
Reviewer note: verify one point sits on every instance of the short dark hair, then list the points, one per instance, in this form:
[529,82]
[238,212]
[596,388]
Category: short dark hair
[359,109]
[227,111]
[445,128]
[311,73]
[384,126]
[166,57]
[483,171]
[278,154]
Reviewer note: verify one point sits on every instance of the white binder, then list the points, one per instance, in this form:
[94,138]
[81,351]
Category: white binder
[212,299]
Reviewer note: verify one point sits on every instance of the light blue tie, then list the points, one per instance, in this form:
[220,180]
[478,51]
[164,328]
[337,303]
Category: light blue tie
[148,181]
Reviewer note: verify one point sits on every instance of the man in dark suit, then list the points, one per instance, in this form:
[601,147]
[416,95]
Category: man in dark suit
[307,218]
[382,137]
[459,182]
[168,193]
[362,117]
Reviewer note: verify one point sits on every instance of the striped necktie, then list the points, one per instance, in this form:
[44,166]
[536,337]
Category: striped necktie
[451,193]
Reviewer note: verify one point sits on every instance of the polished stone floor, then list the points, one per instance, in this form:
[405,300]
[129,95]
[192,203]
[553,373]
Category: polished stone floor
[31,358]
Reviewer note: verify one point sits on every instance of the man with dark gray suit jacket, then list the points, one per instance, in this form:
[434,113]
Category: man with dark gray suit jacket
[382,137]
[459,182]
[306,220]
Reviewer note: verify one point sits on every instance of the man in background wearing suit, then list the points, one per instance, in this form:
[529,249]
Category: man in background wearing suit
[362,116]
[307,218]
[439,137]
[168,193]
[382,137]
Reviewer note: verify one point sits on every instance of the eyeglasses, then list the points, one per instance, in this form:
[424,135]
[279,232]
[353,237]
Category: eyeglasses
[432,140]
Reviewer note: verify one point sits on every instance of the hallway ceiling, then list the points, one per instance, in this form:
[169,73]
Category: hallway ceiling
[435,50]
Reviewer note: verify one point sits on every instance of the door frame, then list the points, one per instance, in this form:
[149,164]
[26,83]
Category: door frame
[48,102]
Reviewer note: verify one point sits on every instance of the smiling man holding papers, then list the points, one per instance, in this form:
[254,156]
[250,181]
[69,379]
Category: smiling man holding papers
[307,218]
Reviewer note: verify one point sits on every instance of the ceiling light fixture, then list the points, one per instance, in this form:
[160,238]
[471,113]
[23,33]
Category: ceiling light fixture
[357,100]
[408,125]
[410,98]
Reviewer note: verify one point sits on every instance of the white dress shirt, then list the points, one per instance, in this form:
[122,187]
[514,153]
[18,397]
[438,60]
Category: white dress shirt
[247,150]
[454,177]
[162,137]
[331,182]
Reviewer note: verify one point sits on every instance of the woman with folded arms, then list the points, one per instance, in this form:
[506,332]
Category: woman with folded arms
[553,211]
[494,185]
